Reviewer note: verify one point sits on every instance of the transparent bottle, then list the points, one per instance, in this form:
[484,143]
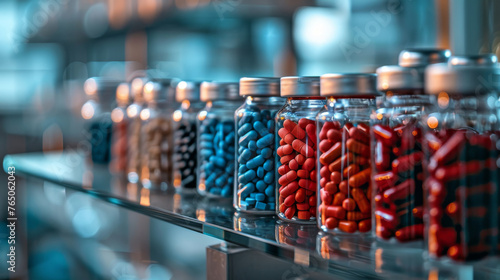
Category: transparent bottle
[461,155]
[185,148]
[344,172]
[97,113]
[295,149]
[216,139]
[120,120]
[134,129]
[156,143]
[255,186]
[397,147]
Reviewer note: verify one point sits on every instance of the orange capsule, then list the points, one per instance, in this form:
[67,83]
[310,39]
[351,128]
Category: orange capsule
[294,129]
[338,198]
[335,211]
[331,187]
[365,225]
[349,204]
[360,198]
[360,178]
[348,226]
[331,223]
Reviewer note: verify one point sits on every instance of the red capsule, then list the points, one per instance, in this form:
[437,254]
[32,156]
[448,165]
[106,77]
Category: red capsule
[325,145]
[401,191]
[290,212]
[359,135]
[289,189]
[450,149]
[309,164]
[302,148]
[331,188]
[360,178]
[381,156]
[334,135]
[284,150]
[311,133]
[325,196]
[348,226]
[304,174]
[307,184]
[412,232]
[324,172]
[282,170]
[459,170]
[335,177]
[300,159]
[332,154]
[386,218]
[361,199]
[357,147]
[331,223]
[293,164]
[286,136]
[294,129]
[407,162]
[304,122]
[286,159]
[433,143]
[357,216]
[365,225]
[335,211]
[384,134]
[288,177]
[385,180]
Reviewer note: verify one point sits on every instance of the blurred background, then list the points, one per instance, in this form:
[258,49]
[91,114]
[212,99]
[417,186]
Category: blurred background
[48,48]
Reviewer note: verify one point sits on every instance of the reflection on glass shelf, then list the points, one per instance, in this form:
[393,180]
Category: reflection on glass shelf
[342,255]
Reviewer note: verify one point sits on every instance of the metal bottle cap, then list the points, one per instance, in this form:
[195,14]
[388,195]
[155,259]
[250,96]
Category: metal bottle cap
[159,90]
[423,57]
[356,84]
[300,86]
[210,91]
[462,79]
[188,91]
[259,86]
[394,77]
[481,59]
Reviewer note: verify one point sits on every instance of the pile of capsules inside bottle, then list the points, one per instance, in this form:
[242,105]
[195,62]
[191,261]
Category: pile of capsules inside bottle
[407,154]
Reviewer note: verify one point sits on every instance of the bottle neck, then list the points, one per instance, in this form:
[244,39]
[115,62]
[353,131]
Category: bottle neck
[264,100]
[313,102]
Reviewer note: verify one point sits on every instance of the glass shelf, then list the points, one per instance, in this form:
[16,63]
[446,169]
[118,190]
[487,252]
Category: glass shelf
[340,255]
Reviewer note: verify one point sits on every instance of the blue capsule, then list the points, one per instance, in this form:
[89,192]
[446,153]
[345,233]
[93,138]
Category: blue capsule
[252,145]
[252,135]
[269,190]
[261,186]
[245,119]
[242,169]
[260,197]
[266,153]
[269,177]
[260,172]
[218,161]
[265,141]
[245,156]
[244,129]
[247,190]
[260,205]
[221,181]
[268,165]
[256,161]
[226,191]
[247,176]
[250,201]
[261,128]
